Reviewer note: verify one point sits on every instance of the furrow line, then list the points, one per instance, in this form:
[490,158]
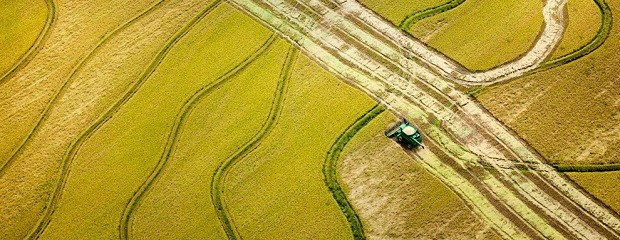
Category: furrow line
[168,151]
[36,46]
[75,146]
[218,180]
[415,17]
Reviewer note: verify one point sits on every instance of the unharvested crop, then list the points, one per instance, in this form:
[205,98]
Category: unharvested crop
[281,181]
[397,10]
[119,157]
[584,19]
[481,34]
[23,25]
[603,185]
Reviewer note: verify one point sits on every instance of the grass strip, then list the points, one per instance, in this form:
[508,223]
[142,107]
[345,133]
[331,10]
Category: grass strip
[185,111]
[414,17]
[598,40]
[67,83]
[588,168]
[36,46]
[219,176]
[330,175]
[75,146]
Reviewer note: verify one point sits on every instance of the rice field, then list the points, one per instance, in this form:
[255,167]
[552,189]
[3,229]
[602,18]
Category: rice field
[580,129]
[397,10]
[21,24]
[584,19]
[385,184]
[482,34]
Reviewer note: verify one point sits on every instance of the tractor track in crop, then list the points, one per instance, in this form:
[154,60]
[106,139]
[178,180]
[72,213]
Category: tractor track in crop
[416,16]
[76,145]
[329,170]
[218,180]
[36,45]
[67,82]
[594,43]
[480,121]
[186,109]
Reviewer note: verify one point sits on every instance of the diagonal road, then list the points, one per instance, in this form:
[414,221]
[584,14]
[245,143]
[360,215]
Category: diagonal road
[495,172]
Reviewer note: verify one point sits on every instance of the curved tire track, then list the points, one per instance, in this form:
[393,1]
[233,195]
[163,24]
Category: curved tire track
[187,108]
[36,46]
[75,146]
[219,176]
[330,175]
[415,17]
[68,82]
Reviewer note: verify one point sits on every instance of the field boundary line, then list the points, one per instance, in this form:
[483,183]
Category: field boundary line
[587,167]
[66,85]
[218,180]
[75,146]
[36,45]
[185,110]
[416,16]
[330,171]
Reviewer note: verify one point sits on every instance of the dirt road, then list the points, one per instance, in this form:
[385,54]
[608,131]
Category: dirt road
[495,172]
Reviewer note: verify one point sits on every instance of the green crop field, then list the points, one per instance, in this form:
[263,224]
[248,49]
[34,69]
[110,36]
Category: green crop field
[583,127]
[481,34]
[21,24]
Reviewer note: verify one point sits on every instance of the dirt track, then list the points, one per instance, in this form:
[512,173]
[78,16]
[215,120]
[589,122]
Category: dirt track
[355,44]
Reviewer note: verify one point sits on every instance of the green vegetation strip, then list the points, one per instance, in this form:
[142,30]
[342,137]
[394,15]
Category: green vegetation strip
[187,108]
[219,176]
[329,170]
[598,40]
[67,83]
[75,146]
[425,13]
[36,46]
[588,168]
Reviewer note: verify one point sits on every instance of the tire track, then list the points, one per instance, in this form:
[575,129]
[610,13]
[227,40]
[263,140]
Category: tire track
[68,82]
[36,46]
[75,146]
[597,41]
[187,108]
[219,176]
[330,175]
[415,17]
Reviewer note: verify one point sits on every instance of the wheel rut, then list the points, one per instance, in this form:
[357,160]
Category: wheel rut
[218,179]
[188,106]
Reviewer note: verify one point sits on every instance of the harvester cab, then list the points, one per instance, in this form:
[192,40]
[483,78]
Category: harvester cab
[405,133]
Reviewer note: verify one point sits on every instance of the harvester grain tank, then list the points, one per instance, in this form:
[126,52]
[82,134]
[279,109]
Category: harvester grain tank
[405,133]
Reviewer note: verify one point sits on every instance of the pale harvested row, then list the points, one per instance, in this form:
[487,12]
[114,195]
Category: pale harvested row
[28,181]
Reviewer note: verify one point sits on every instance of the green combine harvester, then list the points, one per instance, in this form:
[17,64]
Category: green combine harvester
[405,134]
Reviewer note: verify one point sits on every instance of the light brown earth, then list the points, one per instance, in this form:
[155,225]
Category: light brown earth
[387,185]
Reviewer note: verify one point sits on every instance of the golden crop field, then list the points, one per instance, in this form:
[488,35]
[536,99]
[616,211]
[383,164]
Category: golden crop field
[481,34]
[191,66]
[584,19]
[396,10]
[21,24]
[418,204]
[281,181]
[583,127]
